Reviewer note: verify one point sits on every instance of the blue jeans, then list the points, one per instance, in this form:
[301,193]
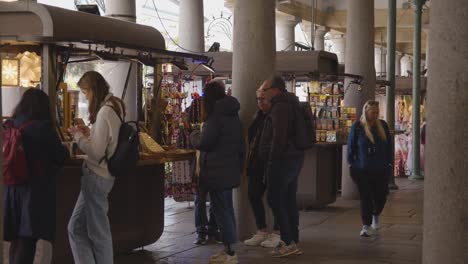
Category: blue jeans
[282,188]
[89,229]
[224,213]
[205,226]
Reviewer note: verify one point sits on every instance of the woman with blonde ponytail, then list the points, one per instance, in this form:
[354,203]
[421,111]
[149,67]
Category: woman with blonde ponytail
[370,158]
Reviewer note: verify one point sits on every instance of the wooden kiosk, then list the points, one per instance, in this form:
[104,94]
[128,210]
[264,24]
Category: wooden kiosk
[61,37]
[322,164]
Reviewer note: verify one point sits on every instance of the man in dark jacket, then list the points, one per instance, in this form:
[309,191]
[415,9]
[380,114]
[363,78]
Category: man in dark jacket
[257,181]
[284,163]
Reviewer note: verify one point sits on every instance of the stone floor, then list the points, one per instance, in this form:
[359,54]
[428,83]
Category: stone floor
[328,236]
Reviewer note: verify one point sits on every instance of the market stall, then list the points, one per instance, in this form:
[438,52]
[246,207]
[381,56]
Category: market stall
[404,122]
[44,47]
[313,77]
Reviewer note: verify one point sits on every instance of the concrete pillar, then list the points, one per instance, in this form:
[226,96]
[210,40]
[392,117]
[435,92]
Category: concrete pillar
[1,175]
[285,38]
[446,179]
[380,61]
[125,10]
[406,65]
[191,26]
[339,47]
[398,57]
[319,40]
[254,26]
[359,61]
[122,10]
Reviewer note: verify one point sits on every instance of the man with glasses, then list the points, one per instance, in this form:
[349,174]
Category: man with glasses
[257,181]
[283,163]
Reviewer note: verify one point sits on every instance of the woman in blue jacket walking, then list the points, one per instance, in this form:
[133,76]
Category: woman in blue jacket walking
[370,158]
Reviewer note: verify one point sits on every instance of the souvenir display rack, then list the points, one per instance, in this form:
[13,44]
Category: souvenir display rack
[332,120]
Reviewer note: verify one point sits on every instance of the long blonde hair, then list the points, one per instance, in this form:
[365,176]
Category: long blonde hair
[365,123]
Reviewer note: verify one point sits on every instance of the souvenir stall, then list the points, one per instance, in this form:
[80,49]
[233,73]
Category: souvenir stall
[313,76]
[49,48]
[403,122]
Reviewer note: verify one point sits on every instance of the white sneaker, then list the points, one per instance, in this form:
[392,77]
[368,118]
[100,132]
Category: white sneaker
[272,241]
[257,239]
[375,222]
[223,258]
[365,231]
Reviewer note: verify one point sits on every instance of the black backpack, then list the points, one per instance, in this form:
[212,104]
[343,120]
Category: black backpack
[304,125]
[127,153]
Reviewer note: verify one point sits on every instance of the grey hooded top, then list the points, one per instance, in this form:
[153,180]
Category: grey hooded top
[221,145]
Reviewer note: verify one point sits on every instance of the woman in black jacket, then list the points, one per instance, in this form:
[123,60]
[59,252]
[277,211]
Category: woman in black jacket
[29,207]
[221,146]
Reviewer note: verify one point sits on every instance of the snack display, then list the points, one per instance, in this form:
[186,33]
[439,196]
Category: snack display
[332,121]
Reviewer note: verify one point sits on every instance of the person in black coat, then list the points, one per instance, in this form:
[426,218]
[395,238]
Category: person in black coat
[257,180]
[221,146]
[29,208]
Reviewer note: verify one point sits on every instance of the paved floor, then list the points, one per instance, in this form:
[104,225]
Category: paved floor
[328,236]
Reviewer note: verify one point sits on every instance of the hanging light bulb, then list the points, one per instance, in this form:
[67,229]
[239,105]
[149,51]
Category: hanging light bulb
[10,72]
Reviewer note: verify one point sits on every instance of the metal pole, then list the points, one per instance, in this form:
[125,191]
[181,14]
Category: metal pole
[390,114]
[416,173]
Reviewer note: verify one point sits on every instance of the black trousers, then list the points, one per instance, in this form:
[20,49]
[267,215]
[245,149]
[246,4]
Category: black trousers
[373,190]
[22,250]
[282,188]
[256,190]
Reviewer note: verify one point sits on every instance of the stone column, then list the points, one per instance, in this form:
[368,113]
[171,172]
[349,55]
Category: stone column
[315,38]
[123,10]
[380,61]
[446,179]
[285,38]
[406,65]
[398,57]
[339,47]
[254,26]
[1,174]
[319,40]
[359,61]
[191,26]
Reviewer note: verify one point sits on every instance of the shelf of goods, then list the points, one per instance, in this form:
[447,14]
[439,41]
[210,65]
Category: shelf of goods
[332,120]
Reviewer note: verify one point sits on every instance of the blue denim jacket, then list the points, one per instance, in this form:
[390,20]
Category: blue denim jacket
[363,154]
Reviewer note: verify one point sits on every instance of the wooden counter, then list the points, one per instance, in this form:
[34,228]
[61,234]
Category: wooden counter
[136,204]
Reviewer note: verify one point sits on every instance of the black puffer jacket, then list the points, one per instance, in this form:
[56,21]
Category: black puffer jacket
[221,146]
[277,140]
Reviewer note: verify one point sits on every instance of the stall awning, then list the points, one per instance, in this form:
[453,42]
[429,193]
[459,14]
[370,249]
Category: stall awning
[299,63]
[29,22]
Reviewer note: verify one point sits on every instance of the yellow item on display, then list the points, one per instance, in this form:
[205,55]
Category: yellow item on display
[148,144]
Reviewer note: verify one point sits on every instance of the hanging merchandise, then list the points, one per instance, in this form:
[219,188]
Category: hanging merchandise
[179,174]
